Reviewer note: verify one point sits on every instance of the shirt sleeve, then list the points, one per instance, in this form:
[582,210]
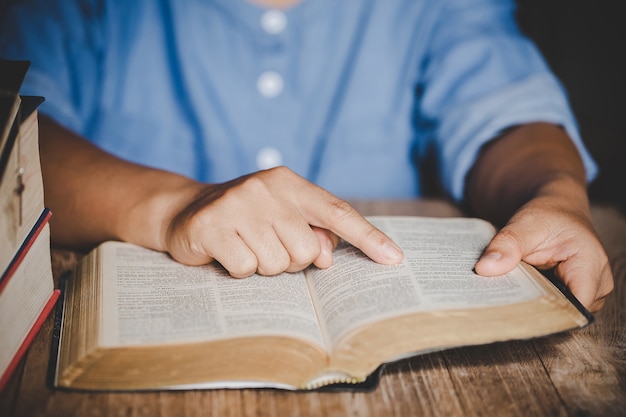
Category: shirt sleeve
[62,40]
[482,75]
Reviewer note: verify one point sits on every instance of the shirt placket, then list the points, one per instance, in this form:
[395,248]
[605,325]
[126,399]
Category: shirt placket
[270,82]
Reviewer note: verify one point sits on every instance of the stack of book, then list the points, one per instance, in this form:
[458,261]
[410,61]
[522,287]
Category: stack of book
[27,293]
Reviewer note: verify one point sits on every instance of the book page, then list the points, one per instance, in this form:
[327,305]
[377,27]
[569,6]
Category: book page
[436,275]
[148,298]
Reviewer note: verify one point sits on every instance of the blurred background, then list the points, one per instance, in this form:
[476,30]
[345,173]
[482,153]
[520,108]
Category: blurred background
[585,44]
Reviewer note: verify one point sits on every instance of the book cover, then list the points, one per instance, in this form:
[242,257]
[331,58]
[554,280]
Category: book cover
[13,73]
[27,296]
[21,182]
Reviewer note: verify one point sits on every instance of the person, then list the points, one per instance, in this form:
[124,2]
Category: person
[235,130]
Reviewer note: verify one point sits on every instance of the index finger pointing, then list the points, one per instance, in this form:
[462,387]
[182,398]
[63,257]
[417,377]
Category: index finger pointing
[342,219]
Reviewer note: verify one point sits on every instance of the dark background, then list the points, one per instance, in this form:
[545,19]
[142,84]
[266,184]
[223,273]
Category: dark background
[584,43]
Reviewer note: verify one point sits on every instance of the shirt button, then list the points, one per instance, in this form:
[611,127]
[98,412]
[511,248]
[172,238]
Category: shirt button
[270,84]
[268,158]
[273,21]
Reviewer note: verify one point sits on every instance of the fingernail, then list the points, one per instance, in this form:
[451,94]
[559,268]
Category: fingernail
[391,251]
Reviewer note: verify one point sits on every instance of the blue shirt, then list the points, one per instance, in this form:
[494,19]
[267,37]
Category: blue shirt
[349,94]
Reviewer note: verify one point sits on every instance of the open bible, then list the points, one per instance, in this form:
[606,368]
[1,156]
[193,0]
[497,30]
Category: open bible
[134,319]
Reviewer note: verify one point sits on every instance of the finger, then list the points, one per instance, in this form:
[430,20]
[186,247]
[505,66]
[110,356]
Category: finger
[261,238]
[504,252]
[333,214]
[328,242]
[578,274]
[301,243]
[183,253]
[223,245]
[235,256]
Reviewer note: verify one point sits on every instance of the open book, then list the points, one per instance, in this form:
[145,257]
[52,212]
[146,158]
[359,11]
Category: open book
[135,319]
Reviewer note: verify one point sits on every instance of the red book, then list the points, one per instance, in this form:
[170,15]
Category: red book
[27,296]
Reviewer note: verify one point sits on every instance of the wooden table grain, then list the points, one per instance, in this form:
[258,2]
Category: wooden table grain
[581,373]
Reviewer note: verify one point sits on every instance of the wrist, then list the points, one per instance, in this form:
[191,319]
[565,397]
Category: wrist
[162,196]
[525,163]
[565,190]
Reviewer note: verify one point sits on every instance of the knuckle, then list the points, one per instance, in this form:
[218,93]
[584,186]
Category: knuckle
[242,269]
[254,185]
[340,210]
[304,256]
[238,263]
[279,173]
[274,263]
[280,170]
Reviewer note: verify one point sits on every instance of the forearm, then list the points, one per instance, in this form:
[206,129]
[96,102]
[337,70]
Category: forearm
[95,196]
[527,162]
[267,222]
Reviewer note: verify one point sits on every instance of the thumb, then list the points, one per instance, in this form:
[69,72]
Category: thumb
[504,252]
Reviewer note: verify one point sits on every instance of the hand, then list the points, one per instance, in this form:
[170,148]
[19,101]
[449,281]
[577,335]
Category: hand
[269,222]
[553,232]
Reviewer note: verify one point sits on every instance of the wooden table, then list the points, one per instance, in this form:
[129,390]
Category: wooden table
[581,373]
